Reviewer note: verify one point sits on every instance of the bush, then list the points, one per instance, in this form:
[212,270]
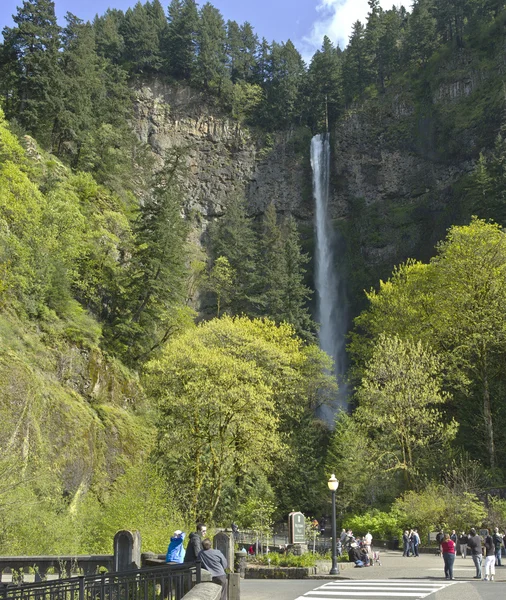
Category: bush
[287,560]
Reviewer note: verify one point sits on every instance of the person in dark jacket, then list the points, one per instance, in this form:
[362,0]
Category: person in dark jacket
[195,543]
[215,562]
[463,544]
[474,543]
[497,537]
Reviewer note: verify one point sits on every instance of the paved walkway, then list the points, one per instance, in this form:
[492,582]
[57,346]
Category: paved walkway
[395,566]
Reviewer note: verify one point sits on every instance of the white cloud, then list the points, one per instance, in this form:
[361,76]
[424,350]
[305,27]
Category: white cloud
[335,20]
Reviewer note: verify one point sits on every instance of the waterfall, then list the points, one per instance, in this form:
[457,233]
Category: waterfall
[330,299]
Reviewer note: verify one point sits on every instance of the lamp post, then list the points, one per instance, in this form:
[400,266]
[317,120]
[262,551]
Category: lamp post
[333,484]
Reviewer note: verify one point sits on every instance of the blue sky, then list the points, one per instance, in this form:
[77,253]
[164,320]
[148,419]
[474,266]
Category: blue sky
[305,22]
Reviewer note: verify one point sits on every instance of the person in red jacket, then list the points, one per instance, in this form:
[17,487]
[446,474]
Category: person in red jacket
[448,550]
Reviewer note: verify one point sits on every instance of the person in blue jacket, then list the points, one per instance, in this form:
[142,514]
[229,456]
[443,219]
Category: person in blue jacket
[175,551]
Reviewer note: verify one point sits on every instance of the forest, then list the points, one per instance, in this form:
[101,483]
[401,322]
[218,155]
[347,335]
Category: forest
[151,377]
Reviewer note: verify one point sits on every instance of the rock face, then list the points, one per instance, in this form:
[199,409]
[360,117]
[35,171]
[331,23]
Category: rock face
[224,158]
[394,165]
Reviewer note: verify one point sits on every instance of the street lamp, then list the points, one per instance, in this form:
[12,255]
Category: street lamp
[333,485]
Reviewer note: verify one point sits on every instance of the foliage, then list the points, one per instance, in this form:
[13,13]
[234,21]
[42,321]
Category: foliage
[436,507]
[381,525]
[455,305]
[224,390]
[398,403]
[275,559]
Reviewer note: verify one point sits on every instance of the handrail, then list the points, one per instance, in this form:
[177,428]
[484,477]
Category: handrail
[142,584]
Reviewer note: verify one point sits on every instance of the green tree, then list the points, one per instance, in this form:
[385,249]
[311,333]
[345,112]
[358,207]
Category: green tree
[211,56]
[140,30]
[356,64]
[220,282]
[457,305]
[110,42]
[227,391]
[155,274]
[233,238]
[295,308]
[181,42]
[399,399]
[35,77]
[324,87]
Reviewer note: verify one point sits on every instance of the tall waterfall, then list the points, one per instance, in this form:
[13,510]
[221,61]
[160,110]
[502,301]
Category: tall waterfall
[330,301]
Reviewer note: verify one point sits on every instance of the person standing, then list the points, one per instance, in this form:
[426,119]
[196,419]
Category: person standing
[463,544]
[195,543]
[416,542]
[489,558]
[448,551]
[405,543]
[368,544]
[216,563]
[497,537]
[474,543]
[175,551]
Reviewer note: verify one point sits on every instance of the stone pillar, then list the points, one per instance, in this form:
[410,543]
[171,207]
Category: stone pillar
[234,586]
[127,551]
[240,563]
[225,542]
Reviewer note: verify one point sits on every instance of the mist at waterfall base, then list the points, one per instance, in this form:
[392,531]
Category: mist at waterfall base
[329,284]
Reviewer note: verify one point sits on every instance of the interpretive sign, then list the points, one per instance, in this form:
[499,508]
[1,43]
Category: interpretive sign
[296,528]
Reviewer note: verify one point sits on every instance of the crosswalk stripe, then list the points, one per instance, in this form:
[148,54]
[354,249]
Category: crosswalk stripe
[378,588]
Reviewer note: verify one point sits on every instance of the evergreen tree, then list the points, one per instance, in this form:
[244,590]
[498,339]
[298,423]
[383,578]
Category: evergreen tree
[421,38]
[233,50]
[324,87]
[140,33]
[141,319]
[296,295]
[233,237]
[272,269]
[355,64]
[180,49]
[82,84]
[286,71]
[109,41]
[211,55]
[249,46]
[35,77]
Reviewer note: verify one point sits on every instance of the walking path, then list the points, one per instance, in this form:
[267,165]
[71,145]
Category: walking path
[395,566]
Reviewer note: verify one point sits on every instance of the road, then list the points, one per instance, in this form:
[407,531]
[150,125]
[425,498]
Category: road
[386,589]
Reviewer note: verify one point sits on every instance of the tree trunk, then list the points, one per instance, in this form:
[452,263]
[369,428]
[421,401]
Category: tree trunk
[487,417]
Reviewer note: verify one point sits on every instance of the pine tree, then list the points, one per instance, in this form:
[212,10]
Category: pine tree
[142,44]
[81,84]
[324,87]
[233,238]
[283,87]
[180,49]
[109,41]
[36,76]
[156,271]
[355,64]
[296,295]
[211,54]
[272,269]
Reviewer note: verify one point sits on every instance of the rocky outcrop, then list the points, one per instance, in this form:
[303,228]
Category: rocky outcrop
[224,158]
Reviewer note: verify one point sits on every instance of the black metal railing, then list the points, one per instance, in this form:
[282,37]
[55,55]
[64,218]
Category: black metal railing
[170,582]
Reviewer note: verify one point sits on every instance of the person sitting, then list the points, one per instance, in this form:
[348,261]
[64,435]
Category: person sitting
[355,556]
[175,551]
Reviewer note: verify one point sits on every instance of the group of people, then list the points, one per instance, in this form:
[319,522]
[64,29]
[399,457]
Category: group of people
[410,542]
[490,546]
[359,549]
[199,548]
